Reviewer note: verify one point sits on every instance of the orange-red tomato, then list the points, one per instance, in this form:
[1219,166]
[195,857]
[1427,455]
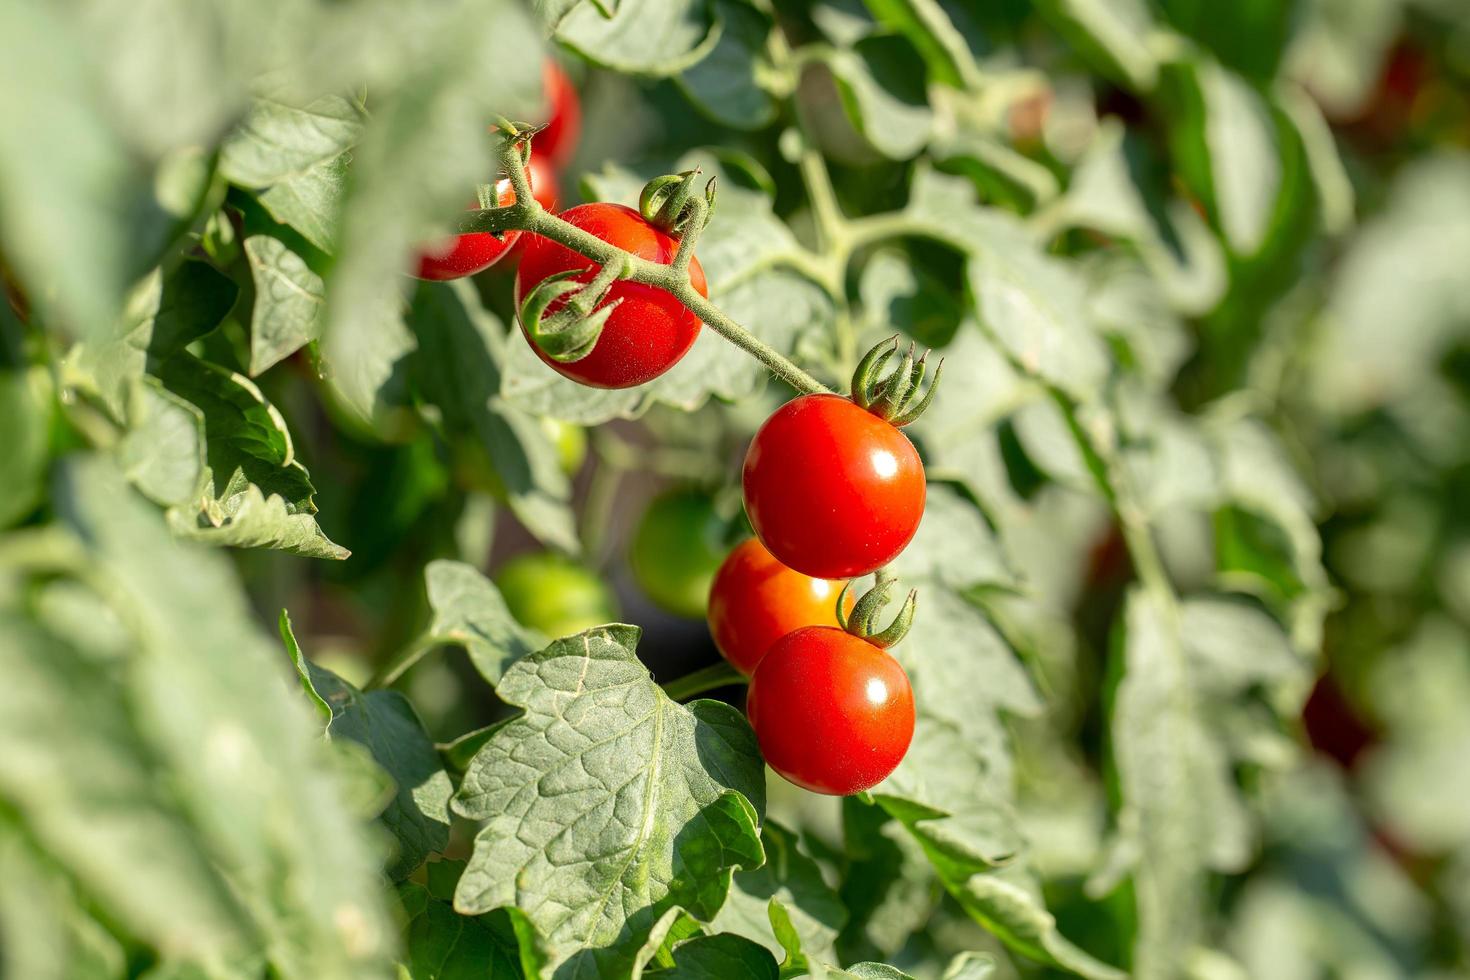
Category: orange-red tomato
[465,255]
[558,141]
[831,489]
[755,600]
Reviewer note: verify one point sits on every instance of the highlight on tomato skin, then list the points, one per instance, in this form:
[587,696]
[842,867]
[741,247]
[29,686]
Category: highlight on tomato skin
[465,255]
[649,331]
[755,600]
[831,489]
[832,713]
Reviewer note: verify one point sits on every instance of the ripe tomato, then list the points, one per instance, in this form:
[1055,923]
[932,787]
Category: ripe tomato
[832,712]
[831,489]
[648,333]
[558,141]
[554,594]
[755,600]
[465,255]
[543,182]
[677,549]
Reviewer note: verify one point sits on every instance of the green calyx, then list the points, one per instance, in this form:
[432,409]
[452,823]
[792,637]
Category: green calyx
[894,397]
[863,621]
[669,203]
[569,333]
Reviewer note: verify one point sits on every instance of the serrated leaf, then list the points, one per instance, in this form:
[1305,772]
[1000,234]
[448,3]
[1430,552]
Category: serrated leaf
[460,369]
[385,723]
[297,157]
[793,878]
[642,37]
[162,316]
[255,493]
[728,85]
[289,299]
[648,805]
[469,611]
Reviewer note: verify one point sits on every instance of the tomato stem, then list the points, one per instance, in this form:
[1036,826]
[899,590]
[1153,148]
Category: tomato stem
[705,679]
[528,215]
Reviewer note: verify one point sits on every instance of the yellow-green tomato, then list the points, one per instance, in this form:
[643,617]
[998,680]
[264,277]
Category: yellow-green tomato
[677,549]
[555,595]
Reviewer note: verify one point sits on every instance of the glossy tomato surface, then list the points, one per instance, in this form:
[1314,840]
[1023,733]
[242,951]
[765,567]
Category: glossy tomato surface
[558,141]
[465,255]
[831,489]
[755,600]
[649,331]
[544,186]
[832,713]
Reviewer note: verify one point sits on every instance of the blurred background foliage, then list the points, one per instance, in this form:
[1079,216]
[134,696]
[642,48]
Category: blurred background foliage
[1200,271]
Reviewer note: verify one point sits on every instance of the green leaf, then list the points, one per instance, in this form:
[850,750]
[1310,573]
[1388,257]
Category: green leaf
[1181,816]
[297,156]
[1225,142]
[716,958]
[606,804]
[469,611]
[48,934]
[67,177]
[385,722]
[1113,35]
[929,29]
[255,493]
[792,878]
[26,402]
[441,944]
[880,80]
[289,298]
[194,806]
[162,452]
[162,316]
[460,369]
[642,37]
[727,85]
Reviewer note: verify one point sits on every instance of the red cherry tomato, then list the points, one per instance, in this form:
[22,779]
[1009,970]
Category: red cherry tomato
[648,333]
[465,255]
[831,489]
[755,600]
[558,141]
[832,712]
[543,183]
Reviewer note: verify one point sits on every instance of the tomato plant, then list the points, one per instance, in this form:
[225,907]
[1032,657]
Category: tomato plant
[308,666]
[755,600]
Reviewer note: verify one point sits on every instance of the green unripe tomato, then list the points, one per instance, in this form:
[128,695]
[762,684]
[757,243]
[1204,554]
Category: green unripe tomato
[570,440]
[555,595]
[677,549]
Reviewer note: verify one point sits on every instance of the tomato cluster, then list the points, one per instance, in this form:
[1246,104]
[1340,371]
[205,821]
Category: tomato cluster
[832,487]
